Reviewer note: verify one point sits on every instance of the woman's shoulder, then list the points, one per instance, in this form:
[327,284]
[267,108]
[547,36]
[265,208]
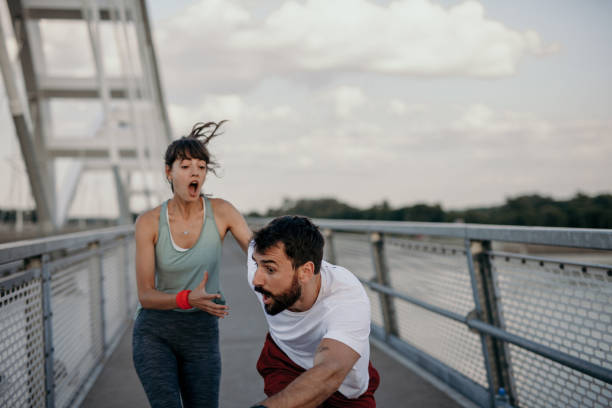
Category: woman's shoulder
[224,210]
[148,221]
[220,205]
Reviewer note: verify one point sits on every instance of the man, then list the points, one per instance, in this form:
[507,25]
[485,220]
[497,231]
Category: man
[317,351]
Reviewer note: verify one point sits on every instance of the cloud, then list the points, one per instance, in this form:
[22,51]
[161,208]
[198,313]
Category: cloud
[346,99]
[400,108]
[222,43]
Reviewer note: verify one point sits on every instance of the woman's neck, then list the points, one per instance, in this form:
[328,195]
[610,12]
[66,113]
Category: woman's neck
[186,209]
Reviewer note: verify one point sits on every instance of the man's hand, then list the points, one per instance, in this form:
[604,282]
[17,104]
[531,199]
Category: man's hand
[332,362]
[202,300]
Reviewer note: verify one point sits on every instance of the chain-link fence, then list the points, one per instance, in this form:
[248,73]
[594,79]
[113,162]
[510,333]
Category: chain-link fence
[65,301]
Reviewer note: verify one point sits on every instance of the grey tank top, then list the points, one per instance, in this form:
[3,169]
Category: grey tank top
[177,270]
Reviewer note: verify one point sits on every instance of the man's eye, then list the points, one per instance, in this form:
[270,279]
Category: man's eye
[184,167]
[270,270]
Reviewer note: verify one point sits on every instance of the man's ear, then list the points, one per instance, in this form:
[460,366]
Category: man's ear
[306,272]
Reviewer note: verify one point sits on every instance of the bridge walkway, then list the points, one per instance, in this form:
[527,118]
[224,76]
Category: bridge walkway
[242,335]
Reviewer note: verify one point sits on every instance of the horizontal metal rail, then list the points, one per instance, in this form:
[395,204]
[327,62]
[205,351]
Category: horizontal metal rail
[15,251]
[435,309]
[549,260]
[567,237]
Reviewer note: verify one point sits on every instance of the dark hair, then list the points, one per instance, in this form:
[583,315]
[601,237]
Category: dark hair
[302,239]
[195,146]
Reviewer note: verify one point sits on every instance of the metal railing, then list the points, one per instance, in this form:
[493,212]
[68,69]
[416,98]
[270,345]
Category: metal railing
[448,299]
[65,301]
[443,295]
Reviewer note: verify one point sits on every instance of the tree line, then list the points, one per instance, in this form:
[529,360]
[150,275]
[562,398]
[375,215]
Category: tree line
[580,211]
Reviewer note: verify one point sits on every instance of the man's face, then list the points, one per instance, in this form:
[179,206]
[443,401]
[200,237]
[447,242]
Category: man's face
[276,279]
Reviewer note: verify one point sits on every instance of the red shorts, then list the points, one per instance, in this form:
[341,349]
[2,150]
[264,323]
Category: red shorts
[278,371]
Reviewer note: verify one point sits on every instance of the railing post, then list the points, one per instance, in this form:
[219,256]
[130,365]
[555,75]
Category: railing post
[382,277]
[97,296]
[479,314]
[499,356]
[48,332]
[102,299]
[126,275]
[328,234]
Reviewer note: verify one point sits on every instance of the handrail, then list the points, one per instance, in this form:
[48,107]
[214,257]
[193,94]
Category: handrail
[568,237]
[13,251]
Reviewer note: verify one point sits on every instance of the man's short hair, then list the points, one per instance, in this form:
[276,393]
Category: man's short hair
[302,240]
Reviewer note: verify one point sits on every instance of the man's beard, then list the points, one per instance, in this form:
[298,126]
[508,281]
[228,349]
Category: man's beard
[284,300]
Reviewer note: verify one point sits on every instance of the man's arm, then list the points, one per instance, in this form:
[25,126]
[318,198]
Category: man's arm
[332,362]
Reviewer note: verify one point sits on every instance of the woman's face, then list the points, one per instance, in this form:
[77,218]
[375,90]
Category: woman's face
[187,177]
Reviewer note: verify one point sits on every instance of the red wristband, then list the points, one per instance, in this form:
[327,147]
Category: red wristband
[182,299]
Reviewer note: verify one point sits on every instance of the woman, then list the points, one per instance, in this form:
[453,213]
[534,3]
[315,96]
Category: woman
[178,255]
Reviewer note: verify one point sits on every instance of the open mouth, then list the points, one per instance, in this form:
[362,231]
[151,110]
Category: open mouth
[193,188]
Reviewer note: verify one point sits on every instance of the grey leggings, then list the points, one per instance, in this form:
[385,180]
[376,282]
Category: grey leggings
[177,357]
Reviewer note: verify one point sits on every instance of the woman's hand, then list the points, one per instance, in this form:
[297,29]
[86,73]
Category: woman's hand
[202,300]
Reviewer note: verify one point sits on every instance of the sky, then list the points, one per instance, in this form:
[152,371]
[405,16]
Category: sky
[461,103]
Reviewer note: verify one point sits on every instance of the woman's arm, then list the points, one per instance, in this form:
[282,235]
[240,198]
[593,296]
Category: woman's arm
[229,219]
[151,298]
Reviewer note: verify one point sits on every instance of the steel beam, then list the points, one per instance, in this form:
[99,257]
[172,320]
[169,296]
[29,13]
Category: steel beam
[66,195]
[125,217]
[67,87]
[88,152]
[38,181]
[148,39]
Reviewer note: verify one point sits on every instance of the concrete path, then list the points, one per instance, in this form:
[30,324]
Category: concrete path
[242,335]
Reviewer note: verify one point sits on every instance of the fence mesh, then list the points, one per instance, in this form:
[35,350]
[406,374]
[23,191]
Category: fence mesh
[567,307]
[354,252]
[75,301]
[437,274]
[78,334]
[22,360]
[115,303]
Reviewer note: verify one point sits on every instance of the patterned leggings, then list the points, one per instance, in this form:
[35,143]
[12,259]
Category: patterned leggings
[176,356]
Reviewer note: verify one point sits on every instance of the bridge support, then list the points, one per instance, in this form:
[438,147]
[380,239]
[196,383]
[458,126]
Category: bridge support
[496,350]
[382,278]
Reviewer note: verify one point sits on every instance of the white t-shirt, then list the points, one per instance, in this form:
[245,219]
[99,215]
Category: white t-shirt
[341,312]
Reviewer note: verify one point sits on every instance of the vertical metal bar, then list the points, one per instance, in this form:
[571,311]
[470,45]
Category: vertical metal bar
[155,73]
[102,300]
[48,333]
[479,314]
[125,216]
[126,275]
[119,15]
[329,243]
[96,281]
[382,277]
[499,351]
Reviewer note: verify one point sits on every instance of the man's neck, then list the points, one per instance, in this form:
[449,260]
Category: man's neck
[310,293]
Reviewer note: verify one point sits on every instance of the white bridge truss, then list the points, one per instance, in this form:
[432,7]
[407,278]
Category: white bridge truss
[123,85]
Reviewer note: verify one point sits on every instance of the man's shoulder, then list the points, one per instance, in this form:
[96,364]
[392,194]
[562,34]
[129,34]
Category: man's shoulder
[342,282]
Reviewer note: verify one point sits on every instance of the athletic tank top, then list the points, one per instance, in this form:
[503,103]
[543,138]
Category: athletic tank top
[177,269]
